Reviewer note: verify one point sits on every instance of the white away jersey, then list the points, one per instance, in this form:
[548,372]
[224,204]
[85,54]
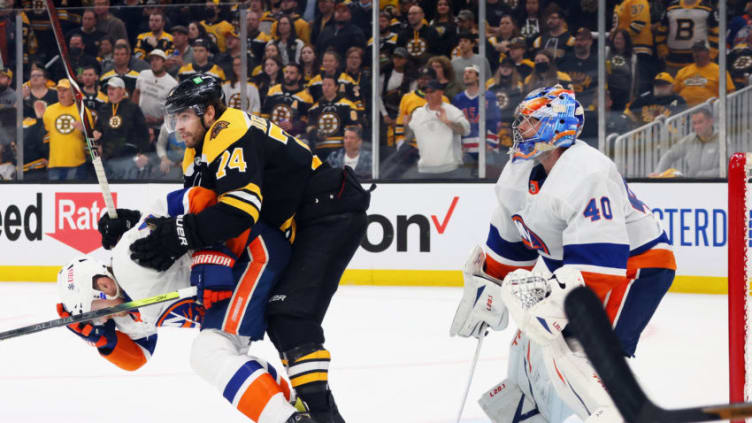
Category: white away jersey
[581,214]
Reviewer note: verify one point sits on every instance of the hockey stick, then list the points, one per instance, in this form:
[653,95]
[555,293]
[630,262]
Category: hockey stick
[591,326]
[472,372]
[91,315]
[78,97]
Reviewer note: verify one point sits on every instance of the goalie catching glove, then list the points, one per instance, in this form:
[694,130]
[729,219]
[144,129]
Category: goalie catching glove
[536,303]
[169,239]
[481,306]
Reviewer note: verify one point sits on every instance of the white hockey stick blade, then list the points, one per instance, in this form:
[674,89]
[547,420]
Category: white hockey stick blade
[472,372]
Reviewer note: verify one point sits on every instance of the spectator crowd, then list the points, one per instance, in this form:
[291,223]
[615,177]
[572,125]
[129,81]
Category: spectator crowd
[308,71]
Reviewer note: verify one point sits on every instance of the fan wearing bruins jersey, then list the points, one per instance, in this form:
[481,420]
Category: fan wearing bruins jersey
[740,61]
[261,173]
[699,81]
[156,38]
[121,56]
[93,96]
[330,66]
[287,104]
[328,117]
[420,40]
[661,101]
[201,63]
[684,23]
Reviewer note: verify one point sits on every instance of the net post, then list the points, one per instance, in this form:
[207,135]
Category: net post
[737,278]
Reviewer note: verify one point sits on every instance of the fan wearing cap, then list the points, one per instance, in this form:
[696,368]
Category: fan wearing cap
[66,138]
[201,63]
[516,53]
[155,38]
[420,40]
[582,67]
[683,25]
[121,56]
[7,95]
[122,133]
[438,128]
[152,87]
[660,101]
[699,81]
[411,101]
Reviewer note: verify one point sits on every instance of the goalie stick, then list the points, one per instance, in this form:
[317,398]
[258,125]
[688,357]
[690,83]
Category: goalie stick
[593,329]
[78,97]
[91,315]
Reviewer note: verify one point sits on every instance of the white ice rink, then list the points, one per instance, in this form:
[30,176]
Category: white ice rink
[392,361]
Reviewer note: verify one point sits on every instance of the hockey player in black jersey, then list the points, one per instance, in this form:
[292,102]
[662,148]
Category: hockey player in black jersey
[259,172]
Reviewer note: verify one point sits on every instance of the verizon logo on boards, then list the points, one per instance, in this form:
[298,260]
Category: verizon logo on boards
[76,216]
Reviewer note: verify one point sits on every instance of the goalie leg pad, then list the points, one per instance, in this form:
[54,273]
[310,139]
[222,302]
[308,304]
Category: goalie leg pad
[250,384]
[575,381]
[506,403]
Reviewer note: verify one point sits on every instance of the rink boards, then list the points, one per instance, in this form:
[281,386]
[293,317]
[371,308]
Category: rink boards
[418,234]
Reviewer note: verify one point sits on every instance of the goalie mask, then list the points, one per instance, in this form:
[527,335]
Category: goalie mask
[75,284]
[556,114]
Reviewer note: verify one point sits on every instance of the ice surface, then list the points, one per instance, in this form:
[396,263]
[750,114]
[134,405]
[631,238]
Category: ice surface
[392,361]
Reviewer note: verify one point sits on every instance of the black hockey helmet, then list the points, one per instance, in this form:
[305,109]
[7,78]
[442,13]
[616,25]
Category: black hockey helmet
[194,93]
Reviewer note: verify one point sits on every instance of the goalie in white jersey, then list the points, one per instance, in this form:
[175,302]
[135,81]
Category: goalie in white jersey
[564,217]
[250,265]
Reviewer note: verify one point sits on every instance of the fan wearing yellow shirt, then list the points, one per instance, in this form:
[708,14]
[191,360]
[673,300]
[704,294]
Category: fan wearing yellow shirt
[66,139]
[699,81]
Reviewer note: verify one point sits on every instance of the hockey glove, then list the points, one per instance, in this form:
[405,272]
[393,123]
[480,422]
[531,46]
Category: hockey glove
[169,239]
[211,274]
[112,229]
[101,336]
[481,306]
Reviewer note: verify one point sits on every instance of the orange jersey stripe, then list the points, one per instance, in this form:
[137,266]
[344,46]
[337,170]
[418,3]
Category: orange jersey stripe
[656,258]
[601,284]
[616,300]
[127,354]
[200,198]
[500,270]
[258,394]
[244,290]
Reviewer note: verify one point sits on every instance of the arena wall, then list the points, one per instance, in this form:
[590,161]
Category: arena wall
[419,234]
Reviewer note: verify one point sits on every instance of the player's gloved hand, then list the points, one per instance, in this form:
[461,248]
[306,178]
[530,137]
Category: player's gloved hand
[211,274]
[103,336]
[169,239]
[481,306]
[112,229]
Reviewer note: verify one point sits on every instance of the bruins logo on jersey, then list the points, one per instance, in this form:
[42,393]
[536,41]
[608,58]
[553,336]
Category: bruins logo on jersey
[649,113]
[64,124]
[39,7]
[742,62]
[417,46]
[281,112]
[218,127]
[512,4]
[502,100]
[329,123]
[440,30]
[618,61]
[580,81]
[234,101]
[116,122]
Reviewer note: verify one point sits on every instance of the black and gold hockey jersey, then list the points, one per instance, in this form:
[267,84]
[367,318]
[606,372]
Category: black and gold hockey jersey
[508,96]
[327,121]
[420,44]
[649,106]
[143,48]
[92,101]
[190,69]
[633,16]
[292,106]
[129,78]
[740,64]
[562,45]
[344,80]
[257,170]
[684,23]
